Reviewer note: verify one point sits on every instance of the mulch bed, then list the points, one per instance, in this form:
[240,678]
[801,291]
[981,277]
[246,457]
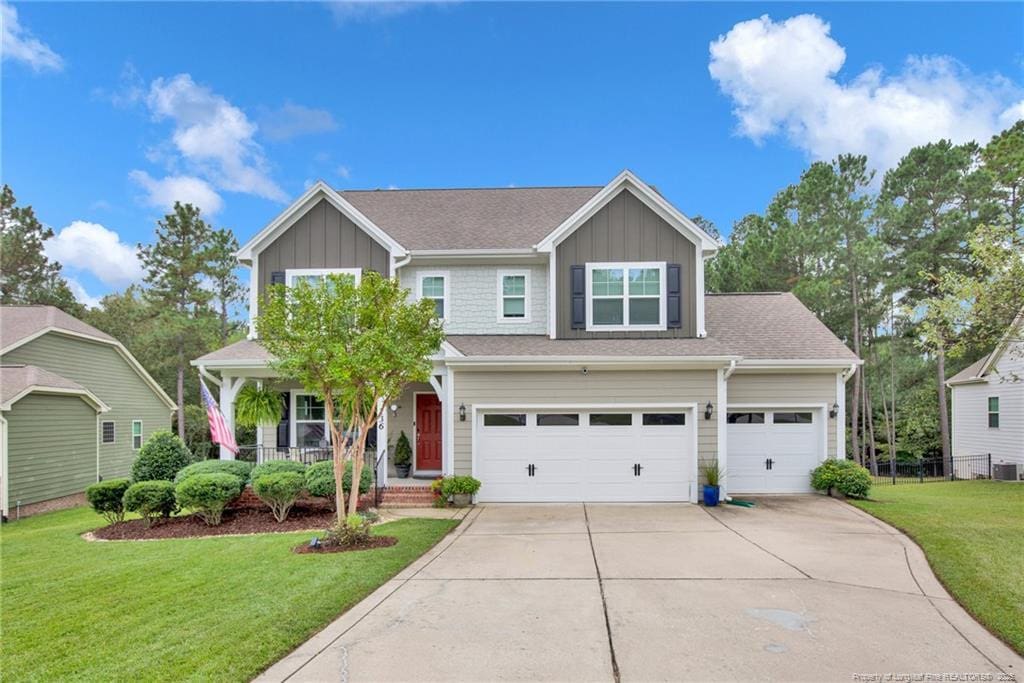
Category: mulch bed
[374,542]
[240,521]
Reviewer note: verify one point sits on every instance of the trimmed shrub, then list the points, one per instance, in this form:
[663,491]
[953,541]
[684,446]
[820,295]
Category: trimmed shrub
[845,476]
[355,530]
[238,468]
[275,466]
[279,491]
[459,484]
[107,498]
[208,494]
[151,499]
[403,451]
[320,479]
[160,458]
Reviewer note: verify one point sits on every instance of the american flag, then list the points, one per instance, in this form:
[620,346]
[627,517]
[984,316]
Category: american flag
[219,431]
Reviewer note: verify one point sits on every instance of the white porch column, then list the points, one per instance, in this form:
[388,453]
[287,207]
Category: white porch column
[840,418]
[228,391]
[442,384]
[721,411]
[382,445]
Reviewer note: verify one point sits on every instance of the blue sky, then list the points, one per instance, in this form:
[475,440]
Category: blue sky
[109,110]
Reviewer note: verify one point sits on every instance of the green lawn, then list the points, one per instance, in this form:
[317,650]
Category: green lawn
[973,535]
[217,609]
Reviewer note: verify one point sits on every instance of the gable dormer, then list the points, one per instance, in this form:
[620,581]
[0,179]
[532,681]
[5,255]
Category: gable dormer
[628,264]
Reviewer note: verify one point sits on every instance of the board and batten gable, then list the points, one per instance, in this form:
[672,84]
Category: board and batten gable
[624,230]
[971,433]
[51,446]
[323,237]
[101,369]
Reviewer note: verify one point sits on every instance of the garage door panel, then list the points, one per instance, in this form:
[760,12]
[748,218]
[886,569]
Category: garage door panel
[794,449]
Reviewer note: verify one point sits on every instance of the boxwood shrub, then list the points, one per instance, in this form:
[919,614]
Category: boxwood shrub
[151,499]
[279,490]
[107,498]
[274,466]
[208,494]
[320,479]
[238,468]
[845,476]
[160,458]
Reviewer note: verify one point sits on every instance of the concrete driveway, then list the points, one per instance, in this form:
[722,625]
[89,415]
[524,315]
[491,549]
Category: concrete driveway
[798,588]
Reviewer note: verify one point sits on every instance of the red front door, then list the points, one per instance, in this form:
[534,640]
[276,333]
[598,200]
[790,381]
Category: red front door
[428,432]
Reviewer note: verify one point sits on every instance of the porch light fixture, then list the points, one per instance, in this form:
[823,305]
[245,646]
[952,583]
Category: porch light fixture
[462,412]
[834,410]
[394,408]
[708,409]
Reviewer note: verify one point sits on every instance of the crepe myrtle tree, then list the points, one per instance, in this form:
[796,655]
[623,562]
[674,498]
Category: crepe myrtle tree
[355,346]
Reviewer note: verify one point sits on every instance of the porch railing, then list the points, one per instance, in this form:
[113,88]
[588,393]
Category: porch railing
[305,454]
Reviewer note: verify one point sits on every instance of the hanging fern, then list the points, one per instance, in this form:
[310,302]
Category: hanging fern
[255,407]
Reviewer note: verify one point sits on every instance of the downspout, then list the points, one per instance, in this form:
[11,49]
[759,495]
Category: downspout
[849,373]
[731,369]
[206,374]
[401,263]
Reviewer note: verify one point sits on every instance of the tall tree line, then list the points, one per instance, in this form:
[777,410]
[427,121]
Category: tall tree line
[919,277]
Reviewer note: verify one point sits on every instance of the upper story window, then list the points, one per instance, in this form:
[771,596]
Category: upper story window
[993,412]
[626,296]
[313,276]
[435,286]
[514,296]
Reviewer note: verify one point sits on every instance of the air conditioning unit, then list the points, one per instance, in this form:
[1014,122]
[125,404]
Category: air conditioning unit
[1008,472]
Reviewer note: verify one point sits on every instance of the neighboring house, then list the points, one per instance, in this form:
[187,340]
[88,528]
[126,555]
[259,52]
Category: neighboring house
[988,403]
[75,407]
[583,359]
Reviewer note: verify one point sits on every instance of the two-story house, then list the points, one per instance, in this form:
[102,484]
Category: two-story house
[583,361]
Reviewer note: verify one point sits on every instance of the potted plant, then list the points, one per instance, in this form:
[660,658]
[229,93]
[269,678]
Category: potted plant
[403,456]
[713,477]
[258,406]
[459,489]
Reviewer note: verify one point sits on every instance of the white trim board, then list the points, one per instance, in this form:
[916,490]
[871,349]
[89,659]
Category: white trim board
[84,394]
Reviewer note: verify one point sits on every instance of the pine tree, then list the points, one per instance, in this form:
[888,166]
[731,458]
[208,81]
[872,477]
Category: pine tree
[227,288]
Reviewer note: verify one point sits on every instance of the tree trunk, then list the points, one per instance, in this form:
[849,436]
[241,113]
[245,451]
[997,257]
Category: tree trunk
[870,415]
[181,391]
[358,458]
[337,457]
[223,322]
[857,378]
[940,377]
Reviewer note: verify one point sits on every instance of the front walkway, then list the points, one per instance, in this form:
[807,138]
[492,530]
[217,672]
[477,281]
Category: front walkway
[798,588]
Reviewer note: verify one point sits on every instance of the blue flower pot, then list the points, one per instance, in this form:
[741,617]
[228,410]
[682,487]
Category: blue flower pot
[710,496]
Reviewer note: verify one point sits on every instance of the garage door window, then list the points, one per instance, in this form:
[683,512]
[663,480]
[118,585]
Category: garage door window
[558,419]
[505,420]
[791,418]
[746,418]
[610,419]
[664,419]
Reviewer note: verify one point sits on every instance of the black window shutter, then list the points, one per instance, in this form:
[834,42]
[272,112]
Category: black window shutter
[579,297]
[674,290]
[283,427]
[277,277]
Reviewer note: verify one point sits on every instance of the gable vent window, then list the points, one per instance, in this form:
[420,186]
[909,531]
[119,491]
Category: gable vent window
[626,296]
[993,412]
[108,431]
[513,296]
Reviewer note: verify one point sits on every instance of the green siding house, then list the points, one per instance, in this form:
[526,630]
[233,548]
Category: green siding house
[75,407]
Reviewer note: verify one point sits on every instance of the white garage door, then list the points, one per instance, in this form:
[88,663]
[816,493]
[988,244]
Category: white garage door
[584,455]
[773,451]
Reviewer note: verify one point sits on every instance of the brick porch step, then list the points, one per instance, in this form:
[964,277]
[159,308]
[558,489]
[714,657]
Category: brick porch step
[406,496]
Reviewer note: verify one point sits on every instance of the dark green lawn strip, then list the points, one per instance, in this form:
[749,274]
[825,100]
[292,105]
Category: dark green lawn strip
[212,609]
[973,535]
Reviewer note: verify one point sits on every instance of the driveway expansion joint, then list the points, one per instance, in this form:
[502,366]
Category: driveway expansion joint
[604,602]
[756,545]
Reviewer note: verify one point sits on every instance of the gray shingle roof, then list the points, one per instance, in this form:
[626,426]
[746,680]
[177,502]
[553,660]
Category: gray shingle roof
[970,372]
[19,322]
[14,379]
[484,218]
[769,326]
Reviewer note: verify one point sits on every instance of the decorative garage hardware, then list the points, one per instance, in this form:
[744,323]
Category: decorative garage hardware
[462,412]
[531,470]
[708,409]
[768,463]
[636,469]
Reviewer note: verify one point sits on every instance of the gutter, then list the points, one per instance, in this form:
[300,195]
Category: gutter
[598,361]
[849,373]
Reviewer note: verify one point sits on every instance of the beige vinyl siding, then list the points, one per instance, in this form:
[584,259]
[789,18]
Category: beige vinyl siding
[101,369]
[624,230]
[575,388]
[322,238]
[785,389]
[51,443]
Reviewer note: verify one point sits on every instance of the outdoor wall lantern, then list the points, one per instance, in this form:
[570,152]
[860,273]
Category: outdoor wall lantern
[708,409]
[834,410]
[462,412]
[394,408]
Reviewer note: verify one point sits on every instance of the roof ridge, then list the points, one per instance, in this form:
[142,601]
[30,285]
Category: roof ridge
[465,189]
[745,293]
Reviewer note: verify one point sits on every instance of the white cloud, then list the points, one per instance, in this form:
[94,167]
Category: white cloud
[82,296]
[17,43]
[343,172]
[214,137]
[369,10]
[164,192]
[96,249]
[293,120]
[781,77]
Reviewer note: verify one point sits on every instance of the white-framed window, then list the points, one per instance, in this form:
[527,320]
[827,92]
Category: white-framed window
[315,275]
[107,431]
[626,296]
[309,421]
[136,434]
[433,285]
[513,296]
[993,412]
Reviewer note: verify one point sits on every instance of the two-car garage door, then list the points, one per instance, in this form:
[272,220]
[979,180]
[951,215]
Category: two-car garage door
[568,454]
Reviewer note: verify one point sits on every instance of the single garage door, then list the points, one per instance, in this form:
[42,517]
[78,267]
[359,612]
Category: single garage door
[565,454]
[773,451]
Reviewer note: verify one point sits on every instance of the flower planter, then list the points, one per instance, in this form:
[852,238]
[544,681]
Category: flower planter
[462,499]
[402,471]
[711,495]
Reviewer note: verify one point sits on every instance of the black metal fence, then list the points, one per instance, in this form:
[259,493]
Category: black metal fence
[962,467]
